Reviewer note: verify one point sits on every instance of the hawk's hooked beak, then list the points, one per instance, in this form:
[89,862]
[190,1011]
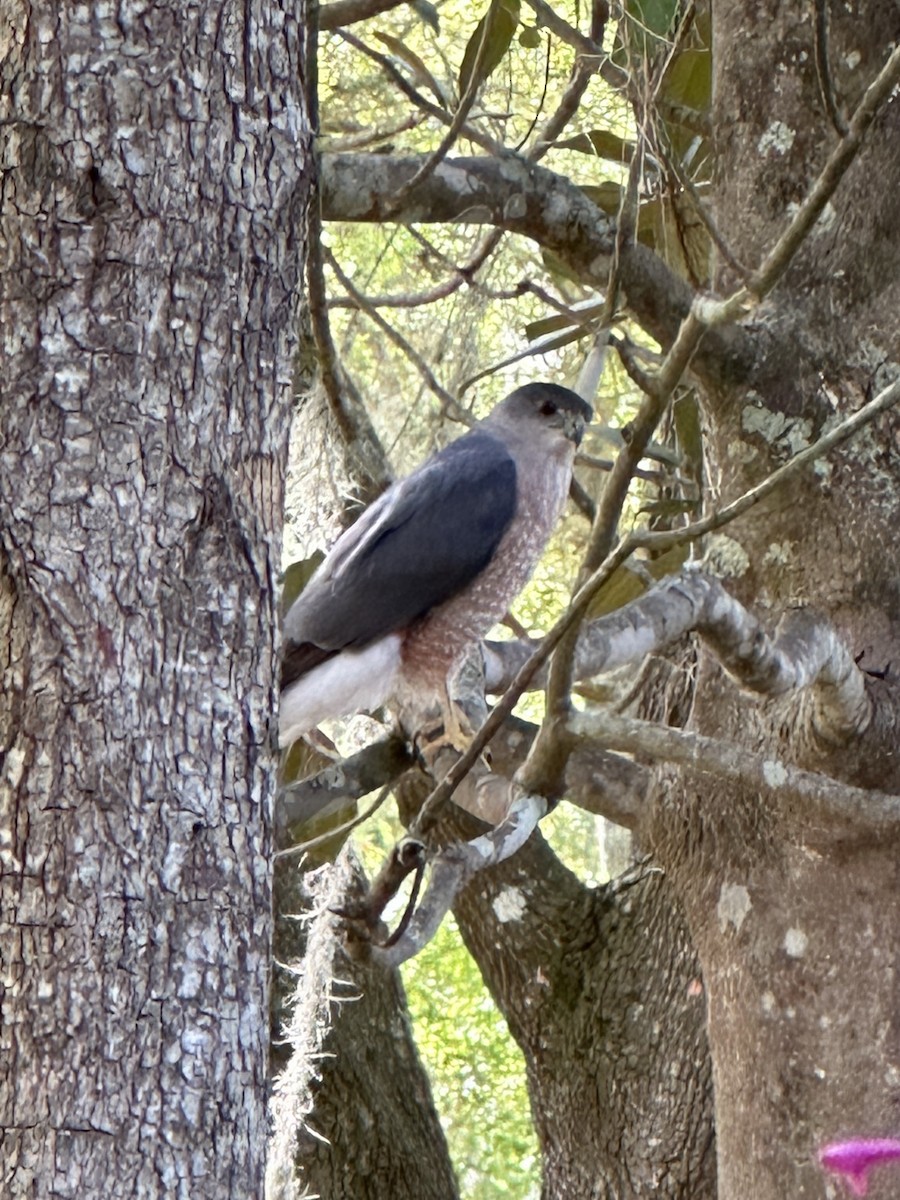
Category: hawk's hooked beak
[574,427]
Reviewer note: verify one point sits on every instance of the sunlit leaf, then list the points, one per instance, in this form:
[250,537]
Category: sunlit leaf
[625,584]
[497,27]
[552,324]
[602,143]
[296,577]
[686,416]
[421,75]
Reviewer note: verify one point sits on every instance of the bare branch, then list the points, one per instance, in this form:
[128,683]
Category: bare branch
[339,783]
[806,652]
[547,208]
[598,782]
[848,811]
[766,276]
[663,540]
[421,102]
[588,48]
[551,20]
[452,870]
[448,402]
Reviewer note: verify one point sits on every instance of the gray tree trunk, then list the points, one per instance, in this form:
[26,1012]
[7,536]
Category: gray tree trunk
[155,163]
[799,937]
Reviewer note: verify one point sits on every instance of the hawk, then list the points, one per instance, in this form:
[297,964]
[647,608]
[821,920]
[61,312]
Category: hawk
[432,565]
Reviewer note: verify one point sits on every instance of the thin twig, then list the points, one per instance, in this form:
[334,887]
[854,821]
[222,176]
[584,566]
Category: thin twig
[664,539]
[434,110]
[540,105]
[347,827]
[546,761]
[448,402]
[459,118]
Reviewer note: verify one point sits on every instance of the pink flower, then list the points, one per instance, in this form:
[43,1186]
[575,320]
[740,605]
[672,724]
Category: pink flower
[853,1159]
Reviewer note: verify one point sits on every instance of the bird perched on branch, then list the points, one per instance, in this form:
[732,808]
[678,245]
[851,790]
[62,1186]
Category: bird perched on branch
[432,565]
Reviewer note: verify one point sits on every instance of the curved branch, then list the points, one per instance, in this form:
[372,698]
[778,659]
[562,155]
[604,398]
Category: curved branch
[806,653]
[452,870]
[524,198]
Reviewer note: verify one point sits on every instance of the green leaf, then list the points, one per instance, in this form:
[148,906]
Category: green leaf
[602,143]
[626,584]
[296,577]
[497,27]
[688,80]
[552,324]
[420,73]
[643,30]
[607,196]
[530,37]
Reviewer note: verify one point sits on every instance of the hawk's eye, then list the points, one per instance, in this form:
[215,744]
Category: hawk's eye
[548,408]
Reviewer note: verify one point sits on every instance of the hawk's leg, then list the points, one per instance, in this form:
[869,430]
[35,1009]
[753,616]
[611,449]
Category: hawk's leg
[447,731]
[452,729]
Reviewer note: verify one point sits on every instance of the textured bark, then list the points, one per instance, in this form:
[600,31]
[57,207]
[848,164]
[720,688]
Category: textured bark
[602,992]
[799,942]
[152,196]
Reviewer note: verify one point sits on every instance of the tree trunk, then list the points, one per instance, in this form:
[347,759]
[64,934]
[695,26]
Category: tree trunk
[601,991]
[797,934]
[152,208]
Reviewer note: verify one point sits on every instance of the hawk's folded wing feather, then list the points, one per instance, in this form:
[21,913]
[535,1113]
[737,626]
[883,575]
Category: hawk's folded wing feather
[420,544]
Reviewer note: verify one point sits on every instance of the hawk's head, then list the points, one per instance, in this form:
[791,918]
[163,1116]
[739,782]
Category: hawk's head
[542,411]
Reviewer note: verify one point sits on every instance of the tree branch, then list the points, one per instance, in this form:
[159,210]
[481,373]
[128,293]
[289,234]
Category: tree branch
[452,870]
[348,12]
[605,784]
[448,402]
[806,653]
[547,208]
[849,811]
[380,763]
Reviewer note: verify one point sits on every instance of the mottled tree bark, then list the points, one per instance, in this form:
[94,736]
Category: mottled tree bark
[602,992]
[798,937]
[154,171]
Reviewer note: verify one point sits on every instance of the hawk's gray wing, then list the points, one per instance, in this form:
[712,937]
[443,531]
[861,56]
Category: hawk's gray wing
[420,544]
